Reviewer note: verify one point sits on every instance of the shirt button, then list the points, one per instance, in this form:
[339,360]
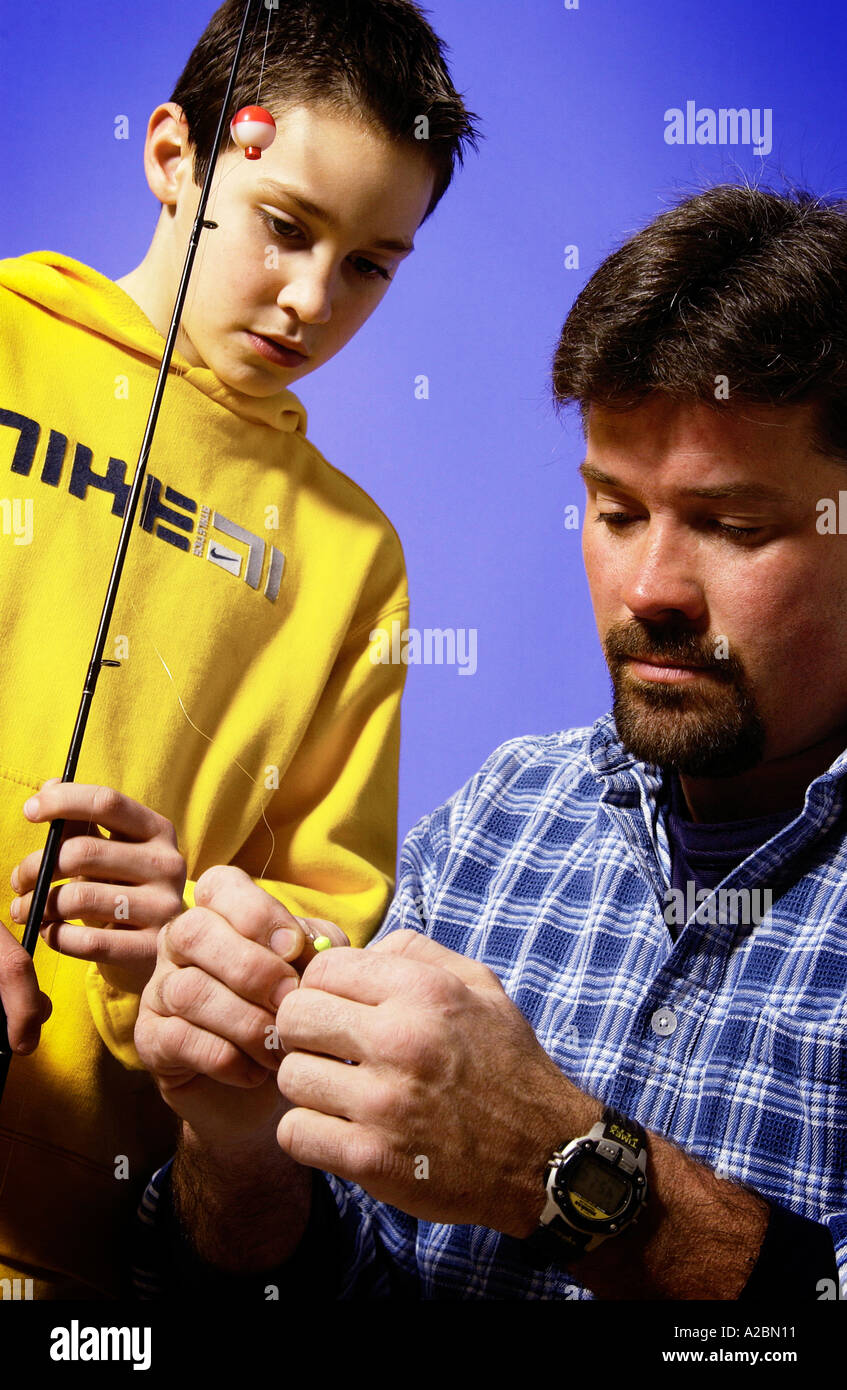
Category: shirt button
[663,1022]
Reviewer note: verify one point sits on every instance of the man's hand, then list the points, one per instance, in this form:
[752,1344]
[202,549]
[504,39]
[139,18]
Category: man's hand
[207,1021]
[124,888]
[452,1109]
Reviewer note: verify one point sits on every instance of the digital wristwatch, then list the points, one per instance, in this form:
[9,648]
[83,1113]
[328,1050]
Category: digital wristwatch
[596,1186]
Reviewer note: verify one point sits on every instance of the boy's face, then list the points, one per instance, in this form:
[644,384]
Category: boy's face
[308,240]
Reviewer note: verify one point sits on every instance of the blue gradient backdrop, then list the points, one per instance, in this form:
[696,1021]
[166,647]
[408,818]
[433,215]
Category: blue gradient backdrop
[476,478]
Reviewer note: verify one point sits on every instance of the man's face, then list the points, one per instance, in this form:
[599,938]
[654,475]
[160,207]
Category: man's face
[719,605]
[308,239]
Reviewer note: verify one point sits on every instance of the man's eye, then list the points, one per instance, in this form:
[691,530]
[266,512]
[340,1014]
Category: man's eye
[618,520]
[728,530]
[368,269]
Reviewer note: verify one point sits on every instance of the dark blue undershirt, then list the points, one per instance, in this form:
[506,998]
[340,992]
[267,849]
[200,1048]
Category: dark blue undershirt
[796,1253]
[706,854]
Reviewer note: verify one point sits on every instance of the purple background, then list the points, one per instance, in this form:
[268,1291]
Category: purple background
[476,478]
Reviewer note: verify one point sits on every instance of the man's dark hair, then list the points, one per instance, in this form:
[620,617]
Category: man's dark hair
[378,59]
[737,282]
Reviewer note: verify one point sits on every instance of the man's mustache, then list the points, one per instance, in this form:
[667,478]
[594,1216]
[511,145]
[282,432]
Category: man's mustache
[672,645]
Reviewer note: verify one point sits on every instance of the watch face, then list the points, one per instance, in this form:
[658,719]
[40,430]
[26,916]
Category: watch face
[595,1189]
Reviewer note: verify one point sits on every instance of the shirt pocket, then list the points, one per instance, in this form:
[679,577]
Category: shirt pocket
[809,1052]
[794,1093]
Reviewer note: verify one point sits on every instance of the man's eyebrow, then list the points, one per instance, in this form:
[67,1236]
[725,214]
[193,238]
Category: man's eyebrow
[271,189]
[754,492]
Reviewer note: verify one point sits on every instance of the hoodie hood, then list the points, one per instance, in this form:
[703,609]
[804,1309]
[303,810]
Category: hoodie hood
[74,291]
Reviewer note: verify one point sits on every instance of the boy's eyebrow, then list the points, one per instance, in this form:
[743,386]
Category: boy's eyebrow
[272,189]
[761,492]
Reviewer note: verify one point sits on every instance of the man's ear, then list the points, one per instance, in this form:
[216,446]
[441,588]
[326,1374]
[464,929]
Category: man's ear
[168,154]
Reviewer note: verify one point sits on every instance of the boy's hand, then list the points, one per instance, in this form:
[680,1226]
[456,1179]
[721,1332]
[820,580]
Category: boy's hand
[134,879]
[25,1005]
[207,1021]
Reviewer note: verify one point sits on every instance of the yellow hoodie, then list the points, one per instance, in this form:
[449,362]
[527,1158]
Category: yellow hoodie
[255,574]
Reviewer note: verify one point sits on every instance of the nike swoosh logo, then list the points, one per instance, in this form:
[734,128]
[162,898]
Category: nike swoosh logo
[227,559]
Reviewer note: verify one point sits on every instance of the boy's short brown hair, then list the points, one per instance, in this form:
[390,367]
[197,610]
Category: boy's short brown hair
[377,59]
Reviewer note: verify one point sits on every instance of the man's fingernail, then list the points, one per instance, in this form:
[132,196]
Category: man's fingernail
[283,942]
[284,987]
[14,879]
[31,806]
[15,909]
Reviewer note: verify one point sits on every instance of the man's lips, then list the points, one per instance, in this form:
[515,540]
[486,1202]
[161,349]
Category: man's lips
[656,669]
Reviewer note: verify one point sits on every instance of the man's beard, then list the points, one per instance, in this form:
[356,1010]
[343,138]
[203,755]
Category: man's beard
[711,730]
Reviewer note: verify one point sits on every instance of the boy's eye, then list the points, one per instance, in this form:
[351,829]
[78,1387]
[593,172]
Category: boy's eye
[369,269]
[278,225]
[289,231]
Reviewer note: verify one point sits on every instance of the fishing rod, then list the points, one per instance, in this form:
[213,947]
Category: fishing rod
[253,129]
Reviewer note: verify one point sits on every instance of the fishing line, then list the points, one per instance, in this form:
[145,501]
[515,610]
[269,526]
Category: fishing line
[221,176]
[208,737]
[264,51]
[221,179]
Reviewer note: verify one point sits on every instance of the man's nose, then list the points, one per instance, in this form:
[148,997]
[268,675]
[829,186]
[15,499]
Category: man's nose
[661,575]
[307,294]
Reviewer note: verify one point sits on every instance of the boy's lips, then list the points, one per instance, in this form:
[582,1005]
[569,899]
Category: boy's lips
[283,351]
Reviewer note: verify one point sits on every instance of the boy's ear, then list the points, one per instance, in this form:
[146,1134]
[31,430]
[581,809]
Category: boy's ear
[168,156]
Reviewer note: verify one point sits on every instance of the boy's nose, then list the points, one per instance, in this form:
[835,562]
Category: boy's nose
[308,295]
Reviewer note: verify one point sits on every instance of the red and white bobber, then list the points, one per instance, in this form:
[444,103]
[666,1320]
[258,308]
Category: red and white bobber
[253,129]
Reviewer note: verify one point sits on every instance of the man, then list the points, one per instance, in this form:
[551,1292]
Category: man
[631,939]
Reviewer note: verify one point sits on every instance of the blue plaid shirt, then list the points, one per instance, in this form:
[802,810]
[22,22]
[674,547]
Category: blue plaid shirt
[552,866]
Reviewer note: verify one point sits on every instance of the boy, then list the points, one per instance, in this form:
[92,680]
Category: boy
[246,724]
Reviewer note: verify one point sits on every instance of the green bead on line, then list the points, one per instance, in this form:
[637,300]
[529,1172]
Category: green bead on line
[322,943]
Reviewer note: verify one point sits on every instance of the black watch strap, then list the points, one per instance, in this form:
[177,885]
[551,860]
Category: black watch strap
[622,1142]
[623,1130]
